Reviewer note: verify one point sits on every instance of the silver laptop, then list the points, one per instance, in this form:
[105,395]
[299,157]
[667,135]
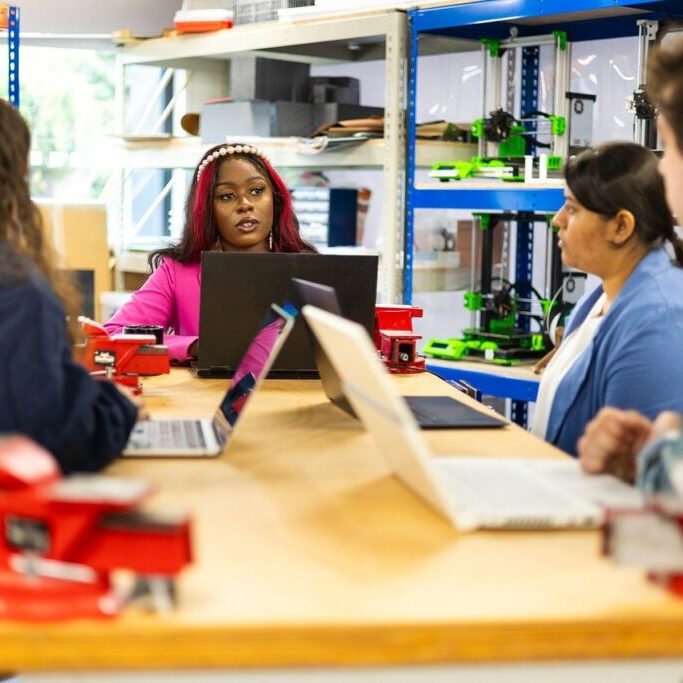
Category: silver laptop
[471,492]
[204,438]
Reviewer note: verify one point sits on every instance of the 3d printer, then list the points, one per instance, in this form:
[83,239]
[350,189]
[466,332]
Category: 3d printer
[506,310]
[510,319]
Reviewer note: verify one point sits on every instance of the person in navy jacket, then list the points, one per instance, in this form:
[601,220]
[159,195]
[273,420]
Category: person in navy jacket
[623,341]
[44,393]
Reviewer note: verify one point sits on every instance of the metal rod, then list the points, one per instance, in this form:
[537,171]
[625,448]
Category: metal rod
[171,103]
[495,94]
[486,269]
[409,215]
[151,209]
[560,146]
[647,33]
[476,229]
[154,99]
[395,89]
[481,143]
[529,41]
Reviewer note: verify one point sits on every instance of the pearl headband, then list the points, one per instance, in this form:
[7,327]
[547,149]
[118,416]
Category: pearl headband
[230,149]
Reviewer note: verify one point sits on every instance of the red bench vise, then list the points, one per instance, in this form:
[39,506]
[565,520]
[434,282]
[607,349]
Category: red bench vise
[122,357]
[395,339]
[62,537]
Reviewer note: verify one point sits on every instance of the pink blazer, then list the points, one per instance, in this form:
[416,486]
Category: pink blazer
[169,298]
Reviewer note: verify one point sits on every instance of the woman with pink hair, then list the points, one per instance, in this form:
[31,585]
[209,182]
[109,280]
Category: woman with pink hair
[237,202]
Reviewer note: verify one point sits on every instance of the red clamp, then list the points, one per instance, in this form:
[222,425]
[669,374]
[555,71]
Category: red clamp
[123,358]
[395,339]
[61,539]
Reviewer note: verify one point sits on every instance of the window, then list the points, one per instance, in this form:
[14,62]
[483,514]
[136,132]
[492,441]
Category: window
[67,97]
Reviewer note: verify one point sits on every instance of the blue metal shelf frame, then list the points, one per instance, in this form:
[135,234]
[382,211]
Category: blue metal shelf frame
[491,18]
[504,197]
[530,65]
[411,194]
[13,55]
[490,384]
[524,256]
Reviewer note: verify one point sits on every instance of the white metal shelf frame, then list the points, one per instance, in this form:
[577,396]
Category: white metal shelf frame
[371,35]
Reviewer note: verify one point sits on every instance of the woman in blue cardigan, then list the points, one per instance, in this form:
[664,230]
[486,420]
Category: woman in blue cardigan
[622,342]
[613,441]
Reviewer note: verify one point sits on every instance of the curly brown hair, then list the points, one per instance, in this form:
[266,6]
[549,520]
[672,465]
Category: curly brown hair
[21,224]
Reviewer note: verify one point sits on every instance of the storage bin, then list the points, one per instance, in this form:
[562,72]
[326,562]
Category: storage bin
[251,11]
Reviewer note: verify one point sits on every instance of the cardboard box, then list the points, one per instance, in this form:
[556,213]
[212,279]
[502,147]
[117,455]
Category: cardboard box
[79,235]
[134,269]
[442,273]
[463,244]
[331,112]
[343,89]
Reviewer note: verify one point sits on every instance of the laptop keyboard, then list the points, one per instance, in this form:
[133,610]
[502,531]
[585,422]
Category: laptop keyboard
[503,486]
[444,411]
[510,495]
[168,434]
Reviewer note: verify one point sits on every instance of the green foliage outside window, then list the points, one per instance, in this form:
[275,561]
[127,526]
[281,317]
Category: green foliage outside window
[67,96]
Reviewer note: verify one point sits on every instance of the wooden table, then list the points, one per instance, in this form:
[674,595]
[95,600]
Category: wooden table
[309,554]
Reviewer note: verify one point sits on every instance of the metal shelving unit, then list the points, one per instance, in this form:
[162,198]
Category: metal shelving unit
[493,19]
[346,38]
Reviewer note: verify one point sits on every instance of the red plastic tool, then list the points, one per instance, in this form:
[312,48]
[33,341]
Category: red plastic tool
[395,339]
[123,358]
[61,538]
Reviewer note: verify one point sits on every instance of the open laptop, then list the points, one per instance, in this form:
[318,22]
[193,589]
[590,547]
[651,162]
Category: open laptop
[471,492]
[430,412]
[237,289]
[204,438]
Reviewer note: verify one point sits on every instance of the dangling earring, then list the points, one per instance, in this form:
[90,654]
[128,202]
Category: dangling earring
[270,241]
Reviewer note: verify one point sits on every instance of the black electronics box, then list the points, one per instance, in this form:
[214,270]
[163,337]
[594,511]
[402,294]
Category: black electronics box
[273,80]
[342,89]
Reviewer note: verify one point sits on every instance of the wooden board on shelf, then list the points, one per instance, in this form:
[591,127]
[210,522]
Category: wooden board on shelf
[319,40]
[185,152]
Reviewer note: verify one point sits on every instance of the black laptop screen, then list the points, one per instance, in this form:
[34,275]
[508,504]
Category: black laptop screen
[237,289]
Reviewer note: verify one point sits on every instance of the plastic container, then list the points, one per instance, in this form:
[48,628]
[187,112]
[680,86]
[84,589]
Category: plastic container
[202,20]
